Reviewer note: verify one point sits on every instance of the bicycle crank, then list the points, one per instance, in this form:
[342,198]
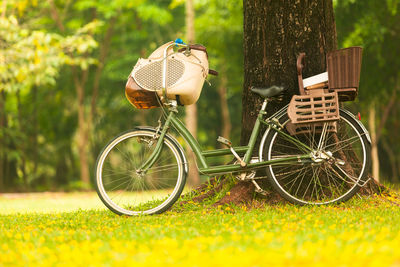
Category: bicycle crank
[247,175]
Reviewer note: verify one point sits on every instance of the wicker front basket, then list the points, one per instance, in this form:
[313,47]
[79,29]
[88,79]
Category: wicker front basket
[344,67]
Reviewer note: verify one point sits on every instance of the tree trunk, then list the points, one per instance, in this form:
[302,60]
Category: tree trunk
[35,131]
[275,32]
[83,124]
[226,120]
[8,165]
[104,47]
[22,145]
[392,158]
[191,111]
[374,142]
[83,134]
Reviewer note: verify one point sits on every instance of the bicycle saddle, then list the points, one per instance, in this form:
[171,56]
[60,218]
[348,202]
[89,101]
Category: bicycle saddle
[267,92]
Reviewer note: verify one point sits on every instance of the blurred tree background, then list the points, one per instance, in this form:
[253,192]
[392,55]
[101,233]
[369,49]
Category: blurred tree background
[64,64]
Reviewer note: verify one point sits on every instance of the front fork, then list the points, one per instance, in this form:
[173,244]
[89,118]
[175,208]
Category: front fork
[157,150]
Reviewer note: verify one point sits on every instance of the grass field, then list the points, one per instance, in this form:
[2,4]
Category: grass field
[75,230]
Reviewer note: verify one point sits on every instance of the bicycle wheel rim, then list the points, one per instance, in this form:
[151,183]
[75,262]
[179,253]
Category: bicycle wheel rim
[153,194]
[329,187]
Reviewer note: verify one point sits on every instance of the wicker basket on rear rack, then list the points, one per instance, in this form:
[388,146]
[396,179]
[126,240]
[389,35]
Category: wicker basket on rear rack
[318,101]
[344,68]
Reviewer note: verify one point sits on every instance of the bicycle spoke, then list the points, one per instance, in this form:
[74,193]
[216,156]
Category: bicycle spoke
[162,168]
[354,138]
[301,182]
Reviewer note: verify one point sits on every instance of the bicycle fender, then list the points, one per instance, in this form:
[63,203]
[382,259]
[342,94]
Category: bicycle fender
[359,124]
[154,129]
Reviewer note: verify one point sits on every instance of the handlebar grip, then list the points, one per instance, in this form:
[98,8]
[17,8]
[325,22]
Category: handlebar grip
[300,63]
[213,72]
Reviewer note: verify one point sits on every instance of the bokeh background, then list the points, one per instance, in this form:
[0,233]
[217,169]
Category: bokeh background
[64,65]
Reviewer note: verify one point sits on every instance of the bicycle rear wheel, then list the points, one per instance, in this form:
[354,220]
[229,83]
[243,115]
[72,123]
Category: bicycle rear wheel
[128,192]
[331,178]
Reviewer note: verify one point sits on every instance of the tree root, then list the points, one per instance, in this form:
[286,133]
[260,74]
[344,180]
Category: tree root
[373,187]
[242,192]
[206,190]
[212,191]
[204,186]
[273,198]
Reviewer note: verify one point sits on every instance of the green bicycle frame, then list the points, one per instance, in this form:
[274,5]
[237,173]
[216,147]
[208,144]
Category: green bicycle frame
[201,155]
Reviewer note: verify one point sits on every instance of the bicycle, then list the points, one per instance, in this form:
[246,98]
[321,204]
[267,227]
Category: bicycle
[143,170]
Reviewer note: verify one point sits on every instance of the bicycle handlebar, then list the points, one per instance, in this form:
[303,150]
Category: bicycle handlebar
[195,47]
[213,72]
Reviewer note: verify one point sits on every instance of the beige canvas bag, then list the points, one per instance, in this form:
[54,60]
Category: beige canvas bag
[185,73]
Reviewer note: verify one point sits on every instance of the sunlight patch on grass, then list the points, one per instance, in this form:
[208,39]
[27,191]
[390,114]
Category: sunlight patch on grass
[48,202]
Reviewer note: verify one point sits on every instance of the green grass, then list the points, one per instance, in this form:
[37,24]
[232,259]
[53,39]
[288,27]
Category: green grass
[361,232]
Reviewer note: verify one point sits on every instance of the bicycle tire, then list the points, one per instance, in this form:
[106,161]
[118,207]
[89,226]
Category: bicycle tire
[123,190]
[330,182]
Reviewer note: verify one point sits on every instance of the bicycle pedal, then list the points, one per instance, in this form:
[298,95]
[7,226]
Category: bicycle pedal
[258,189]
[224,141]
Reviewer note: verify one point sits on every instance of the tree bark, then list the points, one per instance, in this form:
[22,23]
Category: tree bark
[191,111]
[275,32]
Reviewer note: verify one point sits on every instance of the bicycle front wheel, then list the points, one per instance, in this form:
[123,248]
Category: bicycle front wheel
[337,167]
[128,192]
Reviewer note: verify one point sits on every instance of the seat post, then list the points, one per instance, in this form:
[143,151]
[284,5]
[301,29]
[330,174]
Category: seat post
[264,105]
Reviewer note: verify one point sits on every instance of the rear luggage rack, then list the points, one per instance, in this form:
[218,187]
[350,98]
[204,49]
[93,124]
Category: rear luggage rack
[318,106]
